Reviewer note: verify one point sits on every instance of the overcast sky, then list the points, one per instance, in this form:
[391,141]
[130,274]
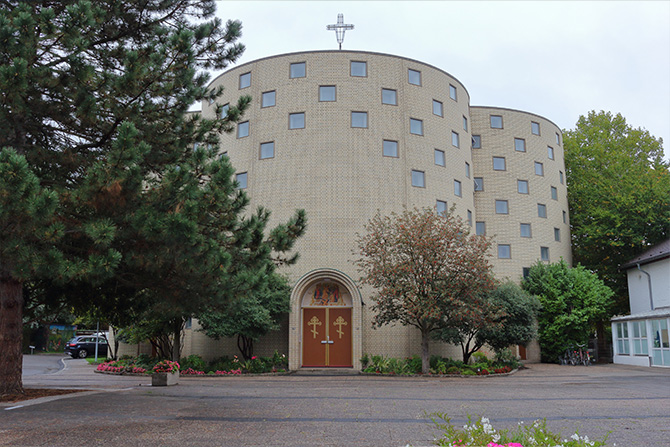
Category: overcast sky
[558,59]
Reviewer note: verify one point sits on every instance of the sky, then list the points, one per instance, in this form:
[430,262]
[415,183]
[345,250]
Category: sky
[558,59]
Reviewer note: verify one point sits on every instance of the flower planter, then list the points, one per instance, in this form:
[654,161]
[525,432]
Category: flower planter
[165,379]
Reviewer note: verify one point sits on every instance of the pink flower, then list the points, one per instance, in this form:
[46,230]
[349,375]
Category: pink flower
[254,358]
[514,444]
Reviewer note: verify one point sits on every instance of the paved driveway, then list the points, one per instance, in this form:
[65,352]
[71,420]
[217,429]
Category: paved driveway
[633,403]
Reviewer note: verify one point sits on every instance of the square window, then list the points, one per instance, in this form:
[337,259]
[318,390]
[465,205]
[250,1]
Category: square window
[359,119]
[389,97]
[565,217]
[390,148]
[241,180]
[455,140]
[479,183]
[557,234]
[520,145]
[544,253]
[415,126]
[524,230]
[498,163]
[542,210]
[327,93]
[539,168]
[439,157]
[418,179]
[467,170]
[535,128]
[496,122]
[267,150]
[268,98]
[560,176]
[465,124]
[554,193]
[359,69]
[414,77]
[243,129]
[522,186]
[558,138]
[501,207]
[441,207]
[453,92]
[224,110]
[480,228]
[476,141]
[458,190]
[504,251]
[550,152]
[437,108]
[469,217]
[296,120]
[245,80]
[298,70]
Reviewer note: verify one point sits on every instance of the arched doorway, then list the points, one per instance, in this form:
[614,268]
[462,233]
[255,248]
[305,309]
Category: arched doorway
[325,322]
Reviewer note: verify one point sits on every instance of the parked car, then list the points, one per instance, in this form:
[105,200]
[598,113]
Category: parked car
[84,345]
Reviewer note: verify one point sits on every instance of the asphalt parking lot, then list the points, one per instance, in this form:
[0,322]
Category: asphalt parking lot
[319,410]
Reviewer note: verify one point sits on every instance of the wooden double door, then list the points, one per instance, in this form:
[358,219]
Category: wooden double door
[326,337]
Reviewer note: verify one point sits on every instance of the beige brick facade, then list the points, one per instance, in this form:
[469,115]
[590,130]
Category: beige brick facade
[339,175]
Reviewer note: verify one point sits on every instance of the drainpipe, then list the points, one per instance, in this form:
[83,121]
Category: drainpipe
[651,297]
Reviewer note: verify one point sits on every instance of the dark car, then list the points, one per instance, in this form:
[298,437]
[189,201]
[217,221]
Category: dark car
[84,345]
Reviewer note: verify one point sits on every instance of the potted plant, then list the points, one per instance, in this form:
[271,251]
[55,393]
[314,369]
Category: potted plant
[165,373]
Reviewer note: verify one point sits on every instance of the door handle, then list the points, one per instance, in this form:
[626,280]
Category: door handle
[329,341]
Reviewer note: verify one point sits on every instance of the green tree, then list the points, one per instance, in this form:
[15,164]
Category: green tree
[423,267]
[103,198]
[573,300]
[619,195]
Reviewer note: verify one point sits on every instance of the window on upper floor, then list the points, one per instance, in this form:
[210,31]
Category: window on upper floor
[415,126]
[453,92]
[439,157]
[479,183]
[359,119]
[243,129]
[327,93]
[458,190]
[414,77]
[390,148]
[441,207]
[465,124]
[565,217]
[542,210]
[467,170]
[389,97]
[476,141]
[554,193]
[539,168]
[525,230]
[469,217]
[455,139]
[480,228]
[437,108]
[522,186]
[241,179]
[550,152]
[298,70]
[535,128]
[267,150]
[418,179]
[496,122]
[502,207]
[498,163]
[558,138]
[544,253]
[557,234]
[245,80]
[560,176]
[520,145]
[268,98]
[296,120]
[359,69]
[504,251]
[224,110]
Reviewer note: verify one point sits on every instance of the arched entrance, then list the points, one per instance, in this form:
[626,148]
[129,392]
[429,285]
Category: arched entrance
[325,322]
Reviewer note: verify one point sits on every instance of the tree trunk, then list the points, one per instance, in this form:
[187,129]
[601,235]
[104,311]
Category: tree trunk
[11,334]
[176,343]
[425,354]
[246,346]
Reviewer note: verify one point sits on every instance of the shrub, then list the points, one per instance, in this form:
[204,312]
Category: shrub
[453,370]
[365,361]
[194,362]
[414,364]
[480,357]
[505,357]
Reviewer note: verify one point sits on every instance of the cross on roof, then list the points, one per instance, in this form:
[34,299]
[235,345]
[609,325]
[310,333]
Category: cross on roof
[339,29]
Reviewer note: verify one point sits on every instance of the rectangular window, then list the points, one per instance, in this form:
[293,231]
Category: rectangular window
[623,347]
[565,217]
[243,129]
[498,163]
[467,170]
[558,138]
[268,98]
[359,69]
[415,126]
[535,128]
[557,234]
[267,150]
[389,97]
[522,186]
[359,119]
[550,152]
[458,191]
[298,70]
[296,120]
[414,77]
[465,124]
[544,253]
[520,145]
[455,139]
[504,251]
[640,345]
[418,179]
[539,168]
[469,217]
[441,207]
[554,193]
[327,93]
[245,80]
[525,230]
[542,210]
[560,176]
[439,157]
[453,92]
[476,141]
[241,180]
[390,148]
[224,110]
[437,108]
[480,228]
[501,207]
[479,183]
[496,122]
[525,272]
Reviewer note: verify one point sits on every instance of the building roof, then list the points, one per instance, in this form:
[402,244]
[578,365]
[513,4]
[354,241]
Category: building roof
[661,312]
[655,253]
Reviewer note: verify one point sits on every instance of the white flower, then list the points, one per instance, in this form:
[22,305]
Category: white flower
[495,437]
[575,437]
[485,420]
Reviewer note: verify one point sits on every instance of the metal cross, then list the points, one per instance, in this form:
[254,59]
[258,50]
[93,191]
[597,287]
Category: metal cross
[339,29]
